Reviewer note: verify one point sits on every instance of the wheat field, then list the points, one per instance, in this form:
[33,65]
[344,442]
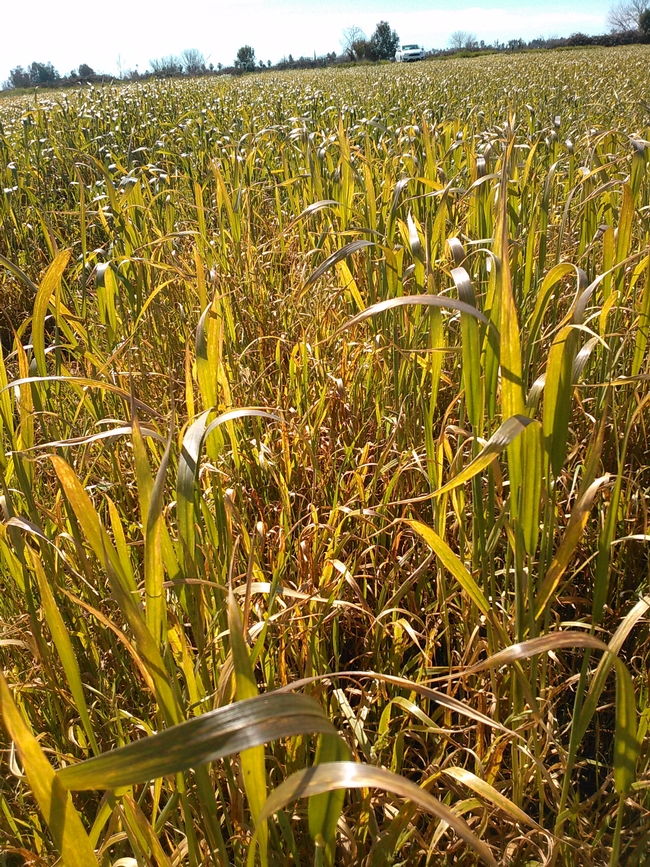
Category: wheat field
[324,407]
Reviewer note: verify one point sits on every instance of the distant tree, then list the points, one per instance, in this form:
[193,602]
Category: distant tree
[193,61]
[460,39]
[352,36]
[384,42]
[245,58]
[85,71]
[42,73]
[626,14]
[579,39]
[165,67]
[18,77]
[644,21]
[362,49]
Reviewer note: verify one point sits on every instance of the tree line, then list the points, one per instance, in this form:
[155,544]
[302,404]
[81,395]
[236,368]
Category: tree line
[629,22]
[381,46]
[44,74]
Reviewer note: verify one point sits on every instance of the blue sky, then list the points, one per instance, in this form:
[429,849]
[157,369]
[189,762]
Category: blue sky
[129,32]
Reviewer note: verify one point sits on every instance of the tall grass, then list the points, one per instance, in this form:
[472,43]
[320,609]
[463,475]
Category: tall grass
[323,405]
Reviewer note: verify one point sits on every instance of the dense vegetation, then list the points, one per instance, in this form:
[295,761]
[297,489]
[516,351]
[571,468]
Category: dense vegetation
[333,384]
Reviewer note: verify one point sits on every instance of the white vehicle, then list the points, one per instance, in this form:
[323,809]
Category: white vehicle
[409,52]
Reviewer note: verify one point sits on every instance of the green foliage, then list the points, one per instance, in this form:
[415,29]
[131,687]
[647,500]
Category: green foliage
[245,58]
[384,42]
[36,74]
[644,21]
[361,50]
[42,73]
[19,78]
